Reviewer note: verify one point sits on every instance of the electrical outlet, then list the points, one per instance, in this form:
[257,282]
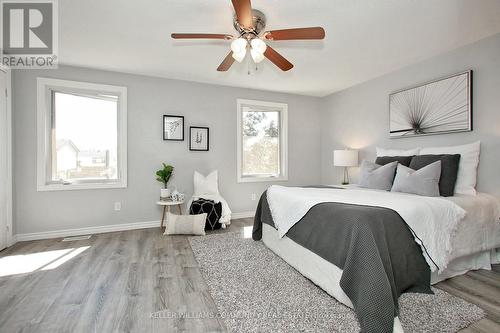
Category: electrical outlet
[254,197]
[118,206]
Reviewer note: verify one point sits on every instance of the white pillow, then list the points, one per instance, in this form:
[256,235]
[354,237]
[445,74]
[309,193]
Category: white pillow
[185,224]
[397,152]
[205,185]
[467,168]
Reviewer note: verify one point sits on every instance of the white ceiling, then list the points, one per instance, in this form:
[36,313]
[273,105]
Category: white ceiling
[364,38]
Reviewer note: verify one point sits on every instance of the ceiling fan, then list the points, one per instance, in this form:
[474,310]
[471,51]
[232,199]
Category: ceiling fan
[250,24]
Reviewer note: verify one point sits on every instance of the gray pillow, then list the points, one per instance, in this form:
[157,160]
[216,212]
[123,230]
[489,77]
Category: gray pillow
[449,170]
[424,181]
[378,177]
[405,160]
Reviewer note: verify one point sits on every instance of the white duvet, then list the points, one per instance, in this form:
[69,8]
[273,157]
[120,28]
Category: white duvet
[434,221]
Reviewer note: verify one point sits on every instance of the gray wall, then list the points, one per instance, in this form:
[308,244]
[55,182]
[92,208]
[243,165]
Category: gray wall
[358,117]
[148,99]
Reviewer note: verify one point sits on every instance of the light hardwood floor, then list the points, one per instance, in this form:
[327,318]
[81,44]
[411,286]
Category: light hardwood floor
[132,281]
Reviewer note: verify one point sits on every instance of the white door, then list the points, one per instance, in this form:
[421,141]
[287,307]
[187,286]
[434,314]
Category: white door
[4,160]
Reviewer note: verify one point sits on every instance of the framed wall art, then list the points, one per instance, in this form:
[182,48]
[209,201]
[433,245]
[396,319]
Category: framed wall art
[199,138]
[437,107]
[173,128]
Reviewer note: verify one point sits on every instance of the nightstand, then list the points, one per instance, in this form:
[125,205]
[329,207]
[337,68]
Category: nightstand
[166,207]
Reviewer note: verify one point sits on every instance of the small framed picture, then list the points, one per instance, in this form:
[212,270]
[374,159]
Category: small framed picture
[198,138]
[173,128]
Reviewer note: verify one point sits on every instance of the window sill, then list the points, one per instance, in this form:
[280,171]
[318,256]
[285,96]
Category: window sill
[76,187]
[262,179]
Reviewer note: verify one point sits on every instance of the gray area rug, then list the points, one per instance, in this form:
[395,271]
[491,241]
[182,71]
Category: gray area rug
[256,291]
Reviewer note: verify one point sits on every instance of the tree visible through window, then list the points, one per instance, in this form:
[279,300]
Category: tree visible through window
[261,153]
[261,141]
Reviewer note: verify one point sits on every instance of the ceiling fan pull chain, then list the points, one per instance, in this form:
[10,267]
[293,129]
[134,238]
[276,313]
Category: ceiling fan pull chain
[248,65]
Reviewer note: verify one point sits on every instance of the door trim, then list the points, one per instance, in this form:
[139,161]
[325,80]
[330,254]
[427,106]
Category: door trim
[10,239]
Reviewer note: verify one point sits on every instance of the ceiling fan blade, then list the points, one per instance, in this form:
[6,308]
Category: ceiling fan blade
[298,33]
[278,59]
[201,36]
[226,63]
[243,9]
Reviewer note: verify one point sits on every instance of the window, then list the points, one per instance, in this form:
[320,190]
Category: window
[82,135]
[262,141]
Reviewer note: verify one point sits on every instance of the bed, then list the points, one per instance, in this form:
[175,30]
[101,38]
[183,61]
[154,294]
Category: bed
[417,241]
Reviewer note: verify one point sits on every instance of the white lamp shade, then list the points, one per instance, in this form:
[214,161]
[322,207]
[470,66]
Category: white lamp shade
[345,158]
[257,56]
[239,45]
[258,45]
[240,55]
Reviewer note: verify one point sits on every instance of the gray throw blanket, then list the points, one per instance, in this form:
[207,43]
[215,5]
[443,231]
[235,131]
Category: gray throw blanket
[372,245]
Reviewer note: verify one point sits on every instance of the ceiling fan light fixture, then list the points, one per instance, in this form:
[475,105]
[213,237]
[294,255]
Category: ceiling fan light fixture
[239,56]
[258,45]
[239,45]
[257,56]
[250,24]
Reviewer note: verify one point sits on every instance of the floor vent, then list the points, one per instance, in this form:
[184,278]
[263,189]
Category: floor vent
[76,238]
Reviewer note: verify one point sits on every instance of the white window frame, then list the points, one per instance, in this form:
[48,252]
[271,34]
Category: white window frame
[269,106]
[10,239]
[45,86]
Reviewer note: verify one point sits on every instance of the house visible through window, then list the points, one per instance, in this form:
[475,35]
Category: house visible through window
[83,126]
[85,136]
[261,141]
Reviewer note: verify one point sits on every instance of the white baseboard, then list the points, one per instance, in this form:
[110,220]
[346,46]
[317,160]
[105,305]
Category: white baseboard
[12,240]
[86,231]
[103,229]
[242,215]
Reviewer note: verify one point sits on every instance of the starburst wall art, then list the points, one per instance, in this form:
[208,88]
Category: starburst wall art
[440,106]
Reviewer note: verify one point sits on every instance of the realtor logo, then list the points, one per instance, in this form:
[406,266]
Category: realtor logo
[29,34]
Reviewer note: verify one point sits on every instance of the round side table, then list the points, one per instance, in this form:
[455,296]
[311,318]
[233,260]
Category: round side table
[166,207]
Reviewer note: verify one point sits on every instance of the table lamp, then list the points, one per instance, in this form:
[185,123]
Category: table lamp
[345,158]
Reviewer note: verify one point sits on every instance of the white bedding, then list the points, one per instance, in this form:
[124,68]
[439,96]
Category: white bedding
[480,229]
[435,221]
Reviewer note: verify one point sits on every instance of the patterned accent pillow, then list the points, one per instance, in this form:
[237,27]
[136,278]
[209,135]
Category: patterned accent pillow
[185,224]
[211,209]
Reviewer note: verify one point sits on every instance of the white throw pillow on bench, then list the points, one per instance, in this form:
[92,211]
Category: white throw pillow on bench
[185,224]
[208,185]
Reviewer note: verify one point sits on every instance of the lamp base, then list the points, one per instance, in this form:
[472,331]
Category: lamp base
[345,181]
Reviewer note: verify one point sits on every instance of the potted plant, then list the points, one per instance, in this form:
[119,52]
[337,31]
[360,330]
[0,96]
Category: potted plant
[163,176]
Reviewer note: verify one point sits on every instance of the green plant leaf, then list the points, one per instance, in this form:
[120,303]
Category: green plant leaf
[165,174]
